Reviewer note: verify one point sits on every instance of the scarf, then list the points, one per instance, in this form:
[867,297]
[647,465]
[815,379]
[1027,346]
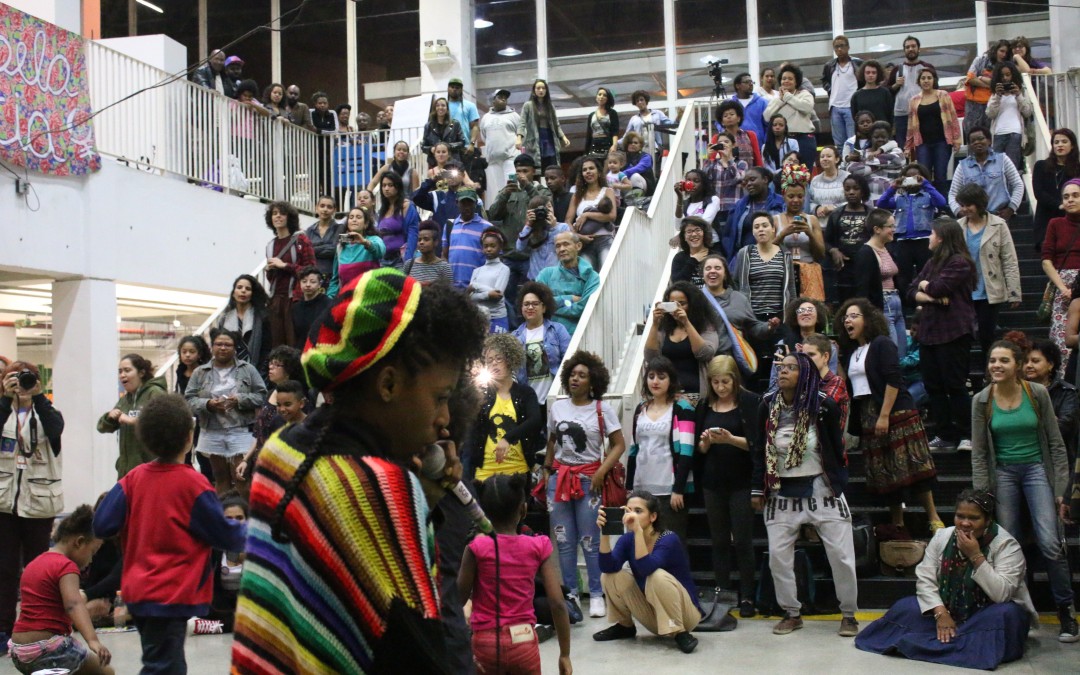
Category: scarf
[798,441]
[959,592]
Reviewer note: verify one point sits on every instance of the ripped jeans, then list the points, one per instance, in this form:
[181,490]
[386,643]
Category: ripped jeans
[573,522]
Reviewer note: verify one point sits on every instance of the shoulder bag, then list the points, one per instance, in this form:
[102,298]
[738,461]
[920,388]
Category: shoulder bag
[1046,307]
[613,492]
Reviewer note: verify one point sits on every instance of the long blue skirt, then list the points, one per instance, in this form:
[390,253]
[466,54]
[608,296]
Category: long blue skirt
[992,636]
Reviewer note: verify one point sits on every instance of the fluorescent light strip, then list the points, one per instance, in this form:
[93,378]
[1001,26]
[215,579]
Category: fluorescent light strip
[151,5]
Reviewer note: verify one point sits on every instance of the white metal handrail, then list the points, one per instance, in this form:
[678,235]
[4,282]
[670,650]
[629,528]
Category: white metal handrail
[1038,90]
[1058,98]
[637,259]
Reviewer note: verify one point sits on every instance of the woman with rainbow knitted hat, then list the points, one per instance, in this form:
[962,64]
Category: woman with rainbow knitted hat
[339,571]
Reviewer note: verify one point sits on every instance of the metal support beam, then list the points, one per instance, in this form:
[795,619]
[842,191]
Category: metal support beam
[541,40]
[352,58]
[275,41]
[672,74]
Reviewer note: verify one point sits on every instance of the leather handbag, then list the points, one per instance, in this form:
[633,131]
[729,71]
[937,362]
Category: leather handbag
[1046,306]
[900,558]
[717,610]
[613,492]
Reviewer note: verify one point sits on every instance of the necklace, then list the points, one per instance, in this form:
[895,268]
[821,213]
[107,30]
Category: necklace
[860,353]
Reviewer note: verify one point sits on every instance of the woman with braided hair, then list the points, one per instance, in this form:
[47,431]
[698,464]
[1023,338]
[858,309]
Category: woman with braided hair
[335,509]
[799,476]
[799,233]
[971,607]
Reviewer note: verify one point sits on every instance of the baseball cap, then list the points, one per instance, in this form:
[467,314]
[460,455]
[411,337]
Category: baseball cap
[502,92]
[234,59]
[455,80]
[467,193]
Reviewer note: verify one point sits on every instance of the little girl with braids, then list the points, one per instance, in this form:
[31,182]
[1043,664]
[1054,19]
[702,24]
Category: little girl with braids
[498,573]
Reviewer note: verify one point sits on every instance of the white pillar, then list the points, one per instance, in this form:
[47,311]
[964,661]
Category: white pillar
[672,74]
[85,352]
[352,58]
[1064,47]
[837,7]
[982,29]
[451,21]
[753,49]
[275,41]
[9,346]
[541,40]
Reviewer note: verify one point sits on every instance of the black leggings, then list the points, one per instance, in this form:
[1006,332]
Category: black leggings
[945,368]
[729,514]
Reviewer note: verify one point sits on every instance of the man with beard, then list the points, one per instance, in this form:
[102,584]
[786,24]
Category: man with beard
[297,112]
[903,81]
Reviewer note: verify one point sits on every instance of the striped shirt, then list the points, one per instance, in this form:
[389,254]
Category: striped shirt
[429,273]
[466,252]
[766,282]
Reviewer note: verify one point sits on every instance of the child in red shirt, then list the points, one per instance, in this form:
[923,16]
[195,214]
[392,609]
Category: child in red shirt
[169,520]
[52,602]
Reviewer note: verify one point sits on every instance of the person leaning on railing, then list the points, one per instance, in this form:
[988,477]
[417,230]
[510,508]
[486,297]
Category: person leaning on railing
[1025,61]
[1048,176]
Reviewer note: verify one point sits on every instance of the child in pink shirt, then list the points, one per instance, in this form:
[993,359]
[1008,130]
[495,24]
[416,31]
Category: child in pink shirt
[498,573]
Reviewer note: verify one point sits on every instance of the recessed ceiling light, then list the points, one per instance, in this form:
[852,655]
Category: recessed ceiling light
[881,47]
[151,5]
[482,23]
[510,51]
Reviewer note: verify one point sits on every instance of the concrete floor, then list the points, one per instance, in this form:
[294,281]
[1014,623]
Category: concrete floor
[750,648]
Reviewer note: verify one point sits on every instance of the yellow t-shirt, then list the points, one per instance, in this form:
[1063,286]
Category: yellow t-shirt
[502,416]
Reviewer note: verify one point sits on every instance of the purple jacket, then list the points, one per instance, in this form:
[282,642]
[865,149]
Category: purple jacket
[955,280]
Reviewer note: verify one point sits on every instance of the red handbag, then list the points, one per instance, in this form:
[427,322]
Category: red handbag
[613,492]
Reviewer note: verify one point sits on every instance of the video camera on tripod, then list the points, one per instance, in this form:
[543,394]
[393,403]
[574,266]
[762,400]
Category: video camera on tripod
[716,72]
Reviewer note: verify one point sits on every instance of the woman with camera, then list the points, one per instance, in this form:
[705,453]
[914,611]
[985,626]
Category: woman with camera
[537,237]
[694,196]
[1009,111]
[725,171]
[31,494]
[683,330]
[140,386]
[359,249]
[800,233]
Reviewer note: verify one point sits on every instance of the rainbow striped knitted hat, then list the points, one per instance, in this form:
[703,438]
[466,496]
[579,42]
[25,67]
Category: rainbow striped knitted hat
[361,327]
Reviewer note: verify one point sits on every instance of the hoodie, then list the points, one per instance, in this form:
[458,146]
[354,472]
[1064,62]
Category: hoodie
[132,452]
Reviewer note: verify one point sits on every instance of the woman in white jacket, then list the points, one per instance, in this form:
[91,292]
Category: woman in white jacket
[970,586]
[797,106]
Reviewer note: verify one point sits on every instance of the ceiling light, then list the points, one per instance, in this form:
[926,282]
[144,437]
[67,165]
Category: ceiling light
[151,5]
[176,323]
[510,51]
[881,47]
[482,23]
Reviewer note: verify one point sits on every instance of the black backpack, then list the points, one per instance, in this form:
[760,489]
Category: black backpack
[804,582]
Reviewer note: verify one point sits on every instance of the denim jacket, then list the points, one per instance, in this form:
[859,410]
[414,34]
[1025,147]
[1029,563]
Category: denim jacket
[556,341]
[914,212]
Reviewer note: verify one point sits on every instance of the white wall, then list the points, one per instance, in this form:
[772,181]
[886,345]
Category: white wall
[158,51]
[131,226]
[64,13]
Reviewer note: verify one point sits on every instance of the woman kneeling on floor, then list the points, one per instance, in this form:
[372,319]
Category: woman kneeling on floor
[972,608]
[658,589]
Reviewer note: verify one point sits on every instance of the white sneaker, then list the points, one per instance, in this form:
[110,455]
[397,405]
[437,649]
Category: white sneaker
[597,607]
[205,627]
[964,446]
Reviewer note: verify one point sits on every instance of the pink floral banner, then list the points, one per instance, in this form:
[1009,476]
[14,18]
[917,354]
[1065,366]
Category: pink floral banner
[44,97]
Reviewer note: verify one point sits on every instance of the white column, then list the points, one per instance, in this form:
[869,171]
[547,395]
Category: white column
[204,39]
[753,49]
[352,58]
[85,352]
[275,41]
[672,73]
[541,40]
[9,347]
[1064,47]
[452,21]
[837,7]
[982,30]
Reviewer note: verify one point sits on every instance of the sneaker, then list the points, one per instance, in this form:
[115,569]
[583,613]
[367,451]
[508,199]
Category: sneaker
[939,443]
[789,624]
[573,608]
[964,446]
[544,632]
[1069,630]
[746,609]
[205,627]
[849,627]
[615,631]
[597,609]
[687,642]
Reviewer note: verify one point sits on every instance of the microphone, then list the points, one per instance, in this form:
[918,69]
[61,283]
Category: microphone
[433,463]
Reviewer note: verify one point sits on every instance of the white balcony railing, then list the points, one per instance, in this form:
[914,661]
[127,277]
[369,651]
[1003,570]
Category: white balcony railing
[178,129]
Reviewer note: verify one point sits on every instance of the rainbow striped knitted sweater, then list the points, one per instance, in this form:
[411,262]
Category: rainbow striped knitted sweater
[359,551]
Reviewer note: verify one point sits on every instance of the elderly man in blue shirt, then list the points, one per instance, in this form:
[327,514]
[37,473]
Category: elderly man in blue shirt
[993,171]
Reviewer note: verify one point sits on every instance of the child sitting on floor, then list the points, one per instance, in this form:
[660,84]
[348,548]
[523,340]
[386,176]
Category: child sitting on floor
[52,603]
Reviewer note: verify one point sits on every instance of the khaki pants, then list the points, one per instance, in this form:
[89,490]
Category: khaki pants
[665,608]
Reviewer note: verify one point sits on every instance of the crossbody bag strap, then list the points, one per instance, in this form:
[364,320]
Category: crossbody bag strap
[603,434]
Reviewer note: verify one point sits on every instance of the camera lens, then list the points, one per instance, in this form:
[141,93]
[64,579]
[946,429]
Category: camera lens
[27,380]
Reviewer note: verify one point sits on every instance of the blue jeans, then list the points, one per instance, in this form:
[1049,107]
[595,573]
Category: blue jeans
[1028,483]
[572,523]
[894,314]
[935,157]
[162,641]
[900,126]
[843,127]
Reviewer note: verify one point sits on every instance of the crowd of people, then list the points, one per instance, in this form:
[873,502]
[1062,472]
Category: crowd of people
[439,309]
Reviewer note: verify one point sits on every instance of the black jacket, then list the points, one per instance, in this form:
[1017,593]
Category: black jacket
[748,413]
[868,277]
[527,431]
[449,133]
[882,370]
[612,127]
[827,71]
[204,76]
[830,444]
[1067,408]
[1046,181]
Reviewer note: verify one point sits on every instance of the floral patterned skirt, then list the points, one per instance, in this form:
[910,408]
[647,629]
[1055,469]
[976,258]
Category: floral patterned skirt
[1059,316]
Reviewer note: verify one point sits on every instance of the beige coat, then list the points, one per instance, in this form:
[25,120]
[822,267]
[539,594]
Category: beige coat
[997,259]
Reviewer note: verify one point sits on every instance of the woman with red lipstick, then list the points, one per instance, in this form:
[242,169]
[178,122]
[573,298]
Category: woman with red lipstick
[971,607]
[1017,453]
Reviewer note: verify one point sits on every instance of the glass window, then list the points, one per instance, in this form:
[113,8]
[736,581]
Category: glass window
[600,26]
[862,14]
[388,37]
[1024,7]
[114,19]
[227,20]
[313,50]
[698,22]
[505,31]
[793,17]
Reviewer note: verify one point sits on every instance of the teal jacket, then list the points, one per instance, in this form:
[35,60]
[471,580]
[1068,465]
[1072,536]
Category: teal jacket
[353,260]
[564,284]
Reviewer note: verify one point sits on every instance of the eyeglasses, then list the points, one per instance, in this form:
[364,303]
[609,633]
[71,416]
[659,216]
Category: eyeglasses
[531,305]
[806,310]
[850,317]
[494,360]
[787,367]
